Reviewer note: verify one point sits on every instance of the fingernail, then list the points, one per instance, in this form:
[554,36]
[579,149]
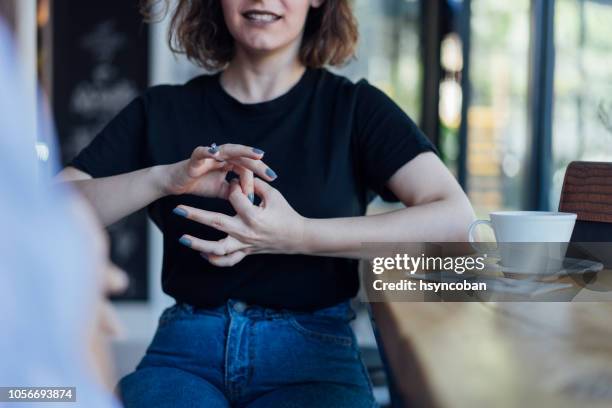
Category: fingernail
[213,149]
[185,241]
[271,173]
[204,256]
[258,151]
[180,212]
[251,197]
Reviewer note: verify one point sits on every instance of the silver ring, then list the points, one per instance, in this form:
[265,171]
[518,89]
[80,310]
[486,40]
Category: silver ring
[213,148]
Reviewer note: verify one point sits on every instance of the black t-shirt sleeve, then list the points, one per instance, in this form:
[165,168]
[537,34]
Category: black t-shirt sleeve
[386,138]
[120,147]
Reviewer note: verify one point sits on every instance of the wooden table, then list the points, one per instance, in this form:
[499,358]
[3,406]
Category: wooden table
[500,354]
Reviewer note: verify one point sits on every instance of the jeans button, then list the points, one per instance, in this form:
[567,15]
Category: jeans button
[240,307]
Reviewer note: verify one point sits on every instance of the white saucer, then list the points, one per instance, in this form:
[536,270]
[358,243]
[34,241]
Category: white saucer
[571,266]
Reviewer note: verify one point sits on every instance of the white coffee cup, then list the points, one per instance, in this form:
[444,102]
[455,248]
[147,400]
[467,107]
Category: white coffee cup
[529,241]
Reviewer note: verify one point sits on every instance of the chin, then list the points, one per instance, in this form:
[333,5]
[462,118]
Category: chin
[262,45]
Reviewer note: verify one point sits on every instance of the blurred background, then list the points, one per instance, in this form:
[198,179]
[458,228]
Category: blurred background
[509,91]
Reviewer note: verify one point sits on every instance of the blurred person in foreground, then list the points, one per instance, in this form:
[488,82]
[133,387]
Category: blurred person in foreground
[54,263]
[263,268]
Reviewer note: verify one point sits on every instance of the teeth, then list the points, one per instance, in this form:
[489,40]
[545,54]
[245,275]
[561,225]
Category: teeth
[265,18]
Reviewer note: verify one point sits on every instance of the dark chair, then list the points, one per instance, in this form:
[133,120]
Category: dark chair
[587,191]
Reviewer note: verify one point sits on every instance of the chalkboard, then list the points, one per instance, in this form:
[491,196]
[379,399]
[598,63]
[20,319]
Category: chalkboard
[100,63]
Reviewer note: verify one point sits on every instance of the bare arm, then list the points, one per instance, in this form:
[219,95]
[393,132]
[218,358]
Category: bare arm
[118,196]
[202,174]
[437,211]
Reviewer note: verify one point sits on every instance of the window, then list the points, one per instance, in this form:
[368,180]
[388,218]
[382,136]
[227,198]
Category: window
[388,54]
[497,115]
[582,121]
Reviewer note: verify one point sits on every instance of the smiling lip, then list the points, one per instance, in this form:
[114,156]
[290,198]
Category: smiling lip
[261,16]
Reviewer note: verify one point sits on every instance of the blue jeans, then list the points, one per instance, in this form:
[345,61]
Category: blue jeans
[248,356]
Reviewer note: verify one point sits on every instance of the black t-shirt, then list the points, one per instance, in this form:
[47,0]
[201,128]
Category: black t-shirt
[331,142]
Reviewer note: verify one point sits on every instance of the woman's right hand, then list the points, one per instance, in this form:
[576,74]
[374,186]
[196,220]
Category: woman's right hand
[204,173]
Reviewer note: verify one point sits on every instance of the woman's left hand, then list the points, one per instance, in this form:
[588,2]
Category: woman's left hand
[271,227]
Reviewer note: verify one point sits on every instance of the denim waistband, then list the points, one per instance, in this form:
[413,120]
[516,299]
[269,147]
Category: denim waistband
[341,310]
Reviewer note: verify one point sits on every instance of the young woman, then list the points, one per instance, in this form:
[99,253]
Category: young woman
[262,268]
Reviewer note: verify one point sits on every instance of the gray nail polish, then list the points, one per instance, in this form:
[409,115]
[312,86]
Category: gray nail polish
[185,241]
[204,256]
[271,173]
[180,212]
[251,197]
[258,151]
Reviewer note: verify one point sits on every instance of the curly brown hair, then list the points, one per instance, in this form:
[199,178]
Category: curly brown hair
[198,30]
